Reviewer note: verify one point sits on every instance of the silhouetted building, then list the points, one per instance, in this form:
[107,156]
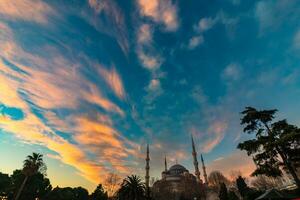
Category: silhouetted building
[178,183]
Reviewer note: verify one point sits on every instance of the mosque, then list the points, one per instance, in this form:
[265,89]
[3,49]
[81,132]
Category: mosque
[177,182]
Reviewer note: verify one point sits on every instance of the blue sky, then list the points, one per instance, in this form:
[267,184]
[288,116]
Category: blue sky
[89,83]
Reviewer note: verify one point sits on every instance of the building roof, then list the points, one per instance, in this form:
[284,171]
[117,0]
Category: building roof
[271,194]
[177,169]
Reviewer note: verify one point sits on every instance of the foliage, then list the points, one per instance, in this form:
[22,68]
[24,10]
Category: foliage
[242,186]
[37,185]
[33,165]
[216,178]
[223,195]
[111,183]
[132,188]
[262,182]
[99,194]
[232,196]
[276,145]
[5,184]
[68,193]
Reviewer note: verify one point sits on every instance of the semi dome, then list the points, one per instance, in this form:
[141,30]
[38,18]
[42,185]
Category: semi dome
[177,169]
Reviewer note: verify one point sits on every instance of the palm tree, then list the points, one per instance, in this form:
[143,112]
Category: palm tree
[132,188]
[33,164]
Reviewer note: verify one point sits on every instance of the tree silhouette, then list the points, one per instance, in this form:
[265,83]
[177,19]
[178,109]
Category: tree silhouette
[276,146]
[68,193]
[33,164]
[37,185]
[242,186]
[223,195]
[99,194]
[132,188]
[5,183]
[216,178]
[232,196]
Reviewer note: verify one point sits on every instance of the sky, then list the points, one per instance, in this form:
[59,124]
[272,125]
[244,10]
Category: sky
[89,83]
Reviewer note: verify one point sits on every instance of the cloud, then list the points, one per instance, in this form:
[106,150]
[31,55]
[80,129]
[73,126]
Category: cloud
[232,72]
[195,41]
[215,135]
[150,62]
[212,136]
[160,11]
[271,14]
[144,35]
[154,85]
[36,11]
[296,41]
[236,161]
[205,24]
[150,59]
[111,22]
[113,79]
[48,84]
[154,90]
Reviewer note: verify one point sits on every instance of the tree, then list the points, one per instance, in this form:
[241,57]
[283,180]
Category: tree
[263,182]
[80,193]
[37,185]
[216,178]
[33,164]
[234,174]
[132,188]
[276,145]
[68,193]
[111,183]
[5,183]
[232,196]
[99,194]
[242,186]
[223,195]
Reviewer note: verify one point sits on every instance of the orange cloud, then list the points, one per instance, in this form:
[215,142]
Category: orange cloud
[28,10]
[237,161]
[212,137]
[160,11]
[113,79]
[58,83]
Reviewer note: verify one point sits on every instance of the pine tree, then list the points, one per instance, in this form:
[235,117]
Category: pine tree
[276,146]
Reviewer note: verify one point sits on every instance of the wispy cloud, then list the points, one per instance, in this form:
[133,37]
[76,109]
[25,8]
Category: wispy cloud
[195,41]
[212,136]
[271,14]
[38,85]
[232,72]
[114,81]
[113,22]
[236,161]
[205,24]
[296,41]
[160,11]
[36,11]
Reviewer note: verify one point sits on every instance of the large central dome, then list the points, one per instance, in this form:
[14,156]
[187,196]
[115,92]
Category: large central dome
[177,169]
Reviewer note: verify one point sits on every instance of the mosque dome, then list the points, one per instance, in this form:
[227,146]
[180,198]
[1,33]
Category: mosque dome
[177,169]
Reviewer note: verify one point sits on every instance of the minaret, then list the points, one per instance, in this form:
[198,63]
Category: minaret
[194,153]
[204,170]
[166,166]
[147,177]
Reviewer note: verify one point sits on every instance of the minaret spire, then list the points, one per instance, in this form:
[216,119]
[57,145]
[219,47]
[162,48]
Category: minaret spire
[204,170]
[194,153]
[166,166]
[147,177]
